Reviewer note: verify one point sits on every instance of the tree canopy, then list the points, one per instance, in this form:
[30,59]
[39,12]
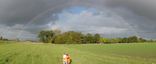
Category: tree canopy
[71,37]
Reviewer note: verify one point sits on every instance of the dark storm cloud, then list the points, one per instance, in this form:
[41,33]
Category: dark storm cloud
[22,11]
[19,11]
[140,14]
[141,7]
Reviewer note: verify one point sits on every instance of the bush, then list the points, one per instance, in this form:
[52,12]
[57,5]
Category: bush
[4,39]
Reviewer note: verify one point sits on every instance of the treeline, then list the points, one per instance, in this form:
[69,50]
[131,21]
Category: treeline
[5,39]
[71,37]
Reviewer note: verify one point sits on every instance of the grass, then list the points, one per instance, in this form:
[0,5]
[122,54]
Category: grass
[23,53]
[142,50]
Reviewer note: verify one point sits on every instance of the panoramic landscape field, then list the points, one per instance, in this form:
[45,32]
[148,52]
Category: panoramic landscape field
[30,53]
[90,31]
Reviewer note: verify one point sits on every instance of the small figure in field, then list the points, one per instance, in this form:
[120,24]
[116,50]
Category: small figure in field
[68,59]
[65,58]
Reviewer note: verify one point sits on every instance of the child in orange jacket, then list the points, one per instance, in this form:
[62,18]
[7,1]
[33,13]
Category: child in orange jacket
[68,59]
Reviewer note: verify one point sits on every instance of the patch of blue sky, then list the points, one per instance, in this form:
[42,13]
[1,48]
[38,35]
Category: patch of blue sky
[93,10]
[74,10]
[78,10]
[63,17]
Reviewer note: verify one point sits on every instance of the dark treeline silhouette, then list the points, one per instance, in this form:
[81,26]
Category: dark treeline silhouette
[5,39]
[71,37]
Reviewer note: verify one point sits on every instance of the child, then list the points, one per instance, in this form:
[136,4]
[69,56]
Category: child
[68,59]
[65,58]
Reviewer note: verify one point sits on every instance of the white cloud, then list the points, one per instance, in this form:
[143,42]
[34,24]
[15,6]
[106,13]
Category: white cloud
[86,22]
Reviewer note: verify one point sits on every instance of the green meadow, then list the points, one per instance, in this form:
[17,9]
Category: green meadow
[27,53]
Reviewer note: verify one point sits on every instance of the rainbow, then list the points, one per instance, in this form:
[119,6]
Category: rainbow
[76,4]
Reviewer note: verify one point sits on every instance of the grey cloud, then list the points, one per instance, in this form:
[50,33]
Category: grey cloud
[22,11]
[142,7]
[35,29]
[29,33]
[140,14]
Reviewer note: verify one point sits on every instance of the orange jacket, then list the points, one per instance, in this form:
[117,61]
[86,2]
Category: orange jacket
[64,58]
[68,59]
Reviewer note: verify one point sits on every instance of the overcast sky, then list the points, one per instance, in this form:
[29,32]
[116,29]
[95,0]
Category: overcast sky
[86,16]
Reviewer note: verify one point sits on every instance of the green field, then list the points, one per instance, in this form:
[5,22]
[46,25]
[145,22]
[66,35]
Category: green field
[24,53]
